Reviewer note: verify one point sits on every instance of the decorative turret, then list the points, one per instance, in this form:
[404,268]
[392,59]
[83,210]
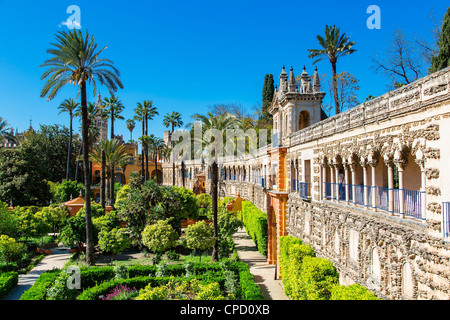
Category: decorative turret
[305,82]
[316,81]
[292,87]
[283,81]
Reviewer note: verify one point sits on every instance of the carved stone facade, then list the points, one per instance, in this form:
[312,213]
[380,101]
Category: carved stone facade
[366,189]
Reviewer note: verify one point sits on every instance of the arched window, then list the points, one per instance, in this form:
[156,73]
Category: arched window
[303,121]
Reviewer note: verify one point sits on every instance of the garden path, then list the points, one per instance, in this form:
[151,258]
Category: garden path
[263,272]
[55,260]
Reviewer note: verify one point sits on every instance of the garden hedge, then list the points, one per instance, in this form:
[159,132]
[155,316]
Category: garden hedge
[306,277]
[39,289]
[255,222]
[8,280]
[98,281]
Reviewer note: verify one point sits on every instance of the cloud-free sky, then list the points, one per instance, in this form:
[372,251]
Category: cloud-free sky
[186,55]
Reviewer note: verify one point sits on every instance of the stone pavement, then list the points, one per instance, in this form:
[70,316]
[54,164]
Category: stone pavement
[263,273]
[54,260]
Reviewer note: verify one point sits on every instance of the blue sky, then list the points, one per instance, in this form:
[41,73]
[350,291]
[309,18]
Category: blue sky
[186,55]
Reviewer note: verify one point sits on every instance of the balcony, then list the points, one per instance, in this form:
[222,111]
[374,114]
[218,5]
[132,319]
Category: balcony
[401,201]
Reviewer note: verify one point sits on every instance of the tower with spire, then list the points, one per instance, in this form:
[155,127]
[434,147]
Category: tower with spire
[102,124]
[297,103]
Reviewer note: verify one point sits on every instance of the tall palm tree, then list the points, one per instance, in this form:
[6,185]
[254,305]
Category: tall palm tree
[130,126]
[334,47]
[172,120]
[109,153]
[113,109]
[145,112]
[156,146]
[75,60]
[93,112]
[222,122]
[69,106]
[5,132]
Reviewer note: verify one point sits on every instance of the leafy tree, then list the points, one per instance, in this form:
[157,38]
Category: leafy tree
[107,222]
[442,60]
[114,241]
[228,224]
[75,60]
[399,61]
[53,216]
[10,249]
[159,237]
[9,224]
[67,190]
[334,46]
[200,236]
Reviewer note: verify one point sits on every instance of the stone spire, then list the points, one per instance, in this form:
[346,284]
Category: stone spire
[283,81]
[291,86]
[316,81]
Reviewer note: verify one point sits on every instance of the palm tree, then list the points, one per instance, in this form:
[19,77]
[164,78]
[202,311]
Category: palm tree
[109,153]
[172,120]
[75,60]
[69,106]
[156,145]
[222,122]
[334,47]
[112,110]
[146,112]
[5,131]
[130,126]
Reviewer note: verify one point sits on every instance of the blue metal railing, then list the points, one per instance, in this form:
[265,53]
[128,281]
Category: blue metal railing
[359,194]
[446,221]
[327,187]
[304,190]
[413,203]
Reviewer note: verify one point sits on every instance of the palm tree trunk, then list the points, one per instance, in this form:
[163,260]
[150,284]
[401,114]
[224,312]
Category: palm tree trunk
[214,183]
[69,152]
[76,168]
[90,258]
[173,157]
[147,175]
[112,165]
[156,167]
[335,90]
[103,180]
[142,151]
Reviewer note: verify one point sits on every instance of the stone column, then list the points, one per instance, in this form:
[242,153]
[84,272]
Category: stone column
[336,173]
[324,179]
[391,186]
[333,194]
[347,197]
[366,184]
[353,169]
[401,193]
[374,184]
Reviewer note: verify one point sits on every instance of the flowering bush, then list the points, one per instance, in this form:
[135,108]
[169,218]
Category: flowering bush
[121,292]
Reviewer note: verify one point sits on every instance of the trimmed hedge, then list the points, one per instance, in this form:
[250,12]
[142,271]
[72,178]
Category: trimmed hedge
[8,280]
[98,281]
[249,289]
[306,277]
[352,292]
[39,289]
[255,222]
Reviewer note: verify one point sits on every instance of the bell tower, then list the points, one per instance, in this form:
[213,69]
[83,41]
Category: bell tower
[297,104]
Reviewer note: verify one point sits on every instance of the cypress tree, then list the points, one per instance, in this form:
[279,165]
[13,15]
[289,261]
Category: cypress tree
[442,60]
[267,95]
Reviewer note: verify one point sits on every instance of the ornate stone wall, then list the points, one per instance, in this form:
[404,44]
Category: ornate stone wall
[349,237]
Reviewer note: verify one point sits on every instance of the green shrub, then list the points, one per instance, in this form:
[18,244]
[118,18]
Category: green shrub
[292,253]
[160,236]
[39,289]
[255,222]
[317,277]
[8,281]
[352,292]
[249,289]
